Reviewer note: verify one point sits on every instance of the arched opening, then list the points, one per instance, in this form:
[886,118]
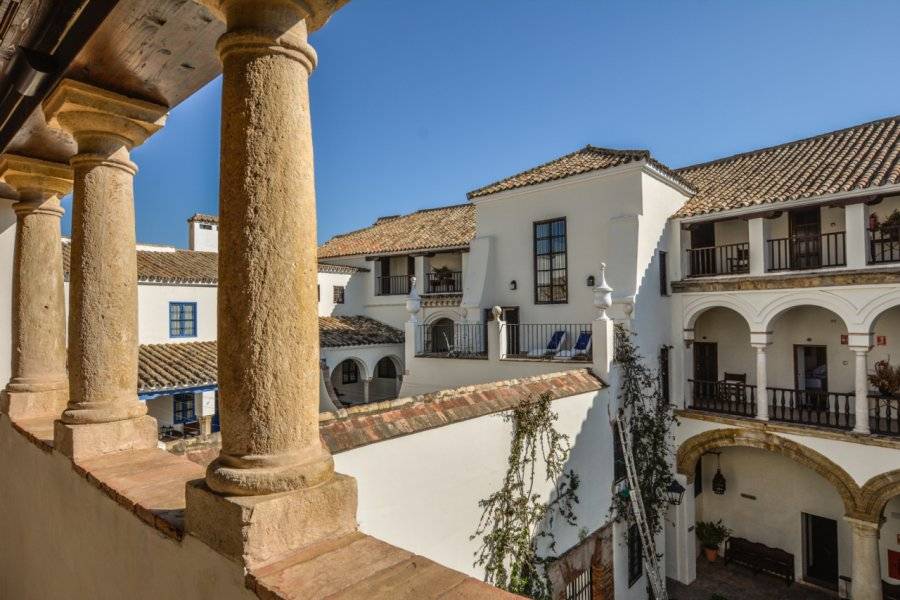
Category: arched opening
[813,379]
[440,336]
[724,366]
[348,380]
[883,365]
[386,380]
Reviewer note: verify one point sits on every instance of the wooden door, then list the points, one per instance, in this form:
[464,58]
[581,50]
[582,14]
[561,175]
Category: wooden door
[805,238]
[706,370]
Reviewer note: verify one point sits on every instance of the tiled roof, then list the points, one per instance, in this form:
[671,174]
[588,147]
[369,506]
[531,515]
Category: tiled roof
[203,218]
[185,266]
[589,158]
[432,228]
[857,158]
[361,425]
[335,332]
[177,365]
[193,364]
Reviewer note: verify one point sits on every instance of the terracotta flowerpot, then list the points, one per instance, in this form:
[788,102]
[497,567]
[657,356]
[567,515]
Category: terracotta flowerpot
[711,554]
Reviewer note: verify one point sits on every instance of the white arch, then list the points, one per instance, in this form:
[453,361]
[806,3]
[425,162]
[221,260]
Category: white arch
[877,307]
[441,314]
[363,367]
[839,306]
[398,363]
[701,305]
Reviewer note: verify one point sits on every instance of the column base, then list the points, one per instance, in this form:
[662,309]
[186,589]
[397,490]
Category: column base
[80,442]
[254,529]
[27,405]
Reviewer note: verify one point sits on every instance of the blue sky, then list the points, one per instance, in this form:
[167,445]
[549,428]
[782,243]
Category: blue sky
[415,103]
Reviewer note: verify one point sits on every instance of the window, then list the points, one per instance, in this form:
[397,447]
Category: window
[182,319]
[205,226]
[550,263]
[338,294]
[385,369]
[635,561]
[664,373]
[618,456]
[663,273]
[349,372]
[580,586]
[318,292]
[698,477]
[183,408]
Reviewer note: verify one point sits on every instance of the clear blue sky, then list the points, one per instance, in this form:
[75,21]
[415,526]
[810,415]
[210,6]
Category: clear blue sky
[417,102]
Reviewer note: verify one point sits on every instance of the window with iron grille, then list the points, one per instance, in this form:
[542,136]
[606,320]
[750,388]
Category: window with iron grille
[551,281]
[338,294]
[183,408]
[182,319]
[580,587]
[349,372]
[635,560]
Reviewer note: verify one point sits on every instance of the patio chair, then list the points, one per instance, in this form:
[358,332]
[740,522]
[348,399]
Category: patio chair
[581,349]
[552,347]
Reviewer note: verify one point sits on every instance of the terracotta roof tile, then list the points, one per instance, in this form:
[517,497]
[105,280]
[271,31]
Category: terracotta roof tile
[185,266]
[589,158]
[181,365]
[379,421]
[432,228]
[857,158]
[204,218]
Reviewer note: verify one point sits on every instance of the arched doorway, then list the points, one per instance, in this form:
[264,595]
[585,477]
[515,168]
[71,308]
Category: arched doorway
[440,338]
[723,363]
[386,380]
[348,379]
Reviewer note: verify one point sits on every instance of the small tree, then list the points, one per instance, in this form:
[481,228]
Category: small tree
[648,418]
[515,520]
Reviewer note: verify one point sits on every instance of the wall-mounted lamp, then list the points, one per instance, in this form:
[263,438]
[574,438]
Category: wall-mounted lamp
[513,285]
[718,481]
[675,492]
[591,281]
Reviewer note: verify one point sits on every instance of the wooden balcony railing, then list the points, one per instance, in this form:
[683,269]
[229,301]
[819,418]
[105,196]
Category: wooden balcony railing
[443,282]
[884,245]
[392,285]
[884,415]
[797,253]
[728,259]
[809,407]
[728,397]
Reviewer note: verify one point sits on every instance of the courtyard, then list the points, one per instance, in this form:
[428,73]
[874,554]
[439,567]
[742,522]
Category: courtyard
[733,582]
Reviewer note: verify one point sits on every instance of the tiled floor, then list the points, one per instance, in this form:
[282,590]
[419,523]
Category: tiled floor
[738,583]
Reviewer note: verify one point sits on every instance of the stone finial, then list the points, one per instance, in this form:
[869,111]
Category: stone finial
[413,303]
[497,312]
[602,294]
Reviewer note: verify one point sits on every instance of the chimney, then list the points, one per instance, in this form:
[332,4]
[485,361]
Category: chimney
[203,233]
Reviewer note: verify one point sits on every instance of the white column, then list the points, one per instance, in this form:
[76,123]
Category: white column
[688,362]
[861,401]
[496,339]
[857,242]
[760,341]
[676,252]
[757,232]
[367,389]
[681,545]
[419,266]
[866,568]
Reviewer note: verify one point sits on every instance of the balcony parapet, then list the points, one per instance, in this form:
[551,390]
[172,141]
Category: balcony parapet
[823,278]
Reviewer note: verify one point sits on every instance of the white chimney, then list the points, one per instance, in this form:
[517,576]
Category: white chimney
[203,233]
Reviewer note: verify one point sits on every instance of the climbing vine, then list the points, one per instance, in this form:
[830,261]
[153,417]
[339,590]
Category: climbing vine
[648,418]
[515,521]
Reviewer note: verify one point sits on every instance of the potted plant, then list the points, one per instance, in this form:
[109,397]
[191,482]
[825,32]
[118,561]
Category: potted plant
[711,535]
[885,378]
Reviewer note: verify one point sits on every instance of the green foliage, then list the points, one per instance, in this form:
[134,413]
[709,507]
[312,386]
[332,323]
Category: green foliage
[711,534]
[885,377]
[648,418]
[514,519]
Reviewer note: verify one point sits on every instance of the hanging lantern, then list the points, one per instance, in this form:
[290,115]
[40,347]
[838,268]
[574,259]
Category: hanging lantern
[718,482]
[675,492]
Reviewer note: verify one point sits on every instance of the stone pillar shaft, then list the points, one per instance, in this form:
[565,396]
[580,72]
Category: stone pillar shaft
[861,400]
[762,395]
[39,384]
[267,305]
[866,568]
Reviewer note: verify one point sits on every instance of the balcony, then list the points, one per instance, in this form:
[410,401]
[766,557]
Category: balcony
[728,259]
[443,282]
[446,339]
[832,410]
[884,245]
[546,341]
[802,252]
[392,285]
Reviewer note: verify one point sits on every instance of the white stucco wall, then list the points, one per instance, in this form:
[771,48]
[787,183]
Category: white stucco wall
[352,301]
[203,236]
[153,311]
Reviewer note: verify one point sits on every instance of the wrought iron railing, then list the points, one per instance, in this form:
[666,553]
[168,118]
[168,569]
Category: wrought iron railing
[797,253]
[549,341]
[392,285]
[443,282]
[456,340]
[884,415]
[729,397]
[884,245]
[811,407]
[728,259]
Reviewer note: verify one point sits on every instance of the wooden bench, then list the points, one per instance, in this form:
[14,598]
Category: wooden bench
[760,558]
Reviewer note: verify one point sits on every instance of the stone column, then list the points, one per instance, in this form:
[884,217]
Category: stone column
[756,229]
[39,384]
[857,240]
[273,472]
[103,414]
[866,569]
[367,389]
[760,341]
[861,399]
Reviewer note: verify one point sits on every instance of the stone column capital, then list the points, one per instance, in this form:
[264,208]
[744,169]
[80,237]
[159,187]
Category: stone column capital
[314,12]
[862,527]
[36,181]
[101,120]
[260,27]
[760,339]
